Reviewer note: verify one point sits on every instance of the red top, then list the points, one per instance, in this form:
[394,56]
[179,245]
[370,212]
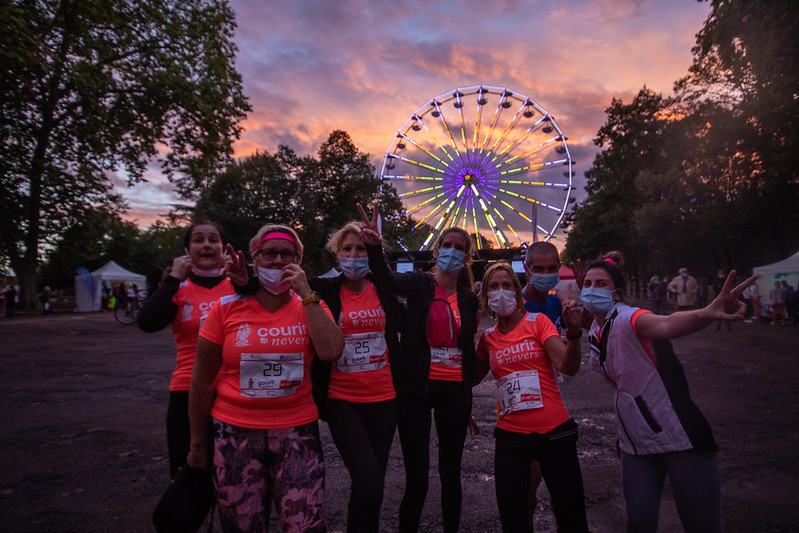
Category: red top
[446,363]
[362,374]
[193,303]
[528,398]
[264,381]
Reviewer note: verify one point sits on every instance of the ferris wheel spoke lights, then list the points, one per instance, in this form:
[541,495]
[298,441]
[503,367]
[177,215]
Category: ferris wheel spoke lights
[481,158]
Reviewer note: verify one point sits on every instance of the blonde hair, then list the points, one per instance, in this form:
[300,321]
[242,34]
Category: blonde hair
[337,237]
[501,265]
[465,276]
[282,228]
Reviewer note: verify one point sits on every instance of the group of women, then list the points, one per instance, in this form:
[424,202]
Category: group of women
[264,351]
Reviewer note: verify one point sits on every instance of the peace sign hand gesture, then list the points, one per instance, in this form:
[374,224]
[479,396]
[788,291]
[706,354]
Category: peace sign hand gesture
[370,231]
[236,266]
[727,306]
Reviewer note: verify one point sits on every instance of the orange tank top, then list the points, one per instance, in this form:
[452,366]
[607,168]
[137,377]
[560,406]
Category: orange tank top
[362,374]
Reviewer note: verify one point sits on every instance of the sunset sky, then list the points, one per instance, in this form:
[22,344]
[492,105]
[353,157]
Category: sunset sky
[363,66]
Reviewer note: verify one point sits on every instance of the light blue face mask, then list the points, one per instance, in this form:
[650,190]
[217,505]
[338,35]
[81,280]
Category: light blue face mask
[544,282]
[450,260]
[597,301]
[354,267]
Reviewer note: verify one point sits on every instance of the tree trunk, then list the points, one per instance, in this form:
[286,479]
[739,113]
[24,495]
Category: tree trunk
[26,277]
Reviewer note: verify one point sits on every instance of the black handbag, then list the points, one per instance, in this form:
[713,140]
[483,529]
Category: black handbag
[186,502]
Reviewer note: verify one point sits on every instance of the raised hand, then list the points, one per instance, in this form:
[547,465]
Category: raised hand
[727,305]
[181,267]
[236,266]
[579,272]
[370,231]
[295,276]
[572,315]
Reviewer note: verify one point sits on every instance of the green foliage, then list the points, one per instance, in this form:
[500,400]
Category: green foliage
[101,236]
[314,195]
[90,88]
[708,178]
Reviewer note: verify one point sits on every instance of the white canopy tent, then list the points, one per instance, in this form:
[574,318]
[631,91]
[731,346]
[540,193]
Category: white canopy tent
[787,269]
[86,301]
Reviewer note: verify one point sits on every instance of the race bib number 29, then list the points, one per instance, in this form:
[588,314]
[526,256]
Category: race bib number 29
[270,375]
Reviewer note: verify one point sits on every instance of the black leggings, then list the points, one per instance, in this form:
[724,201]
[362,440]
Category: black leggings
[363,433]
[556,451]
[452,409]
[178,434]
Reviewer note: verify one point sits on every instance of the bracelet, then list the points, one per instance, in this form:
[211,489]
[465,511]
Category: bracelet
[312,298]
[573,336]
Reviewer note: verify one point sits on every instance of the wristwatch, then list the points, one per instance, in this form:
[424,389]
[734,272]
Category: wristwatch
[312,298]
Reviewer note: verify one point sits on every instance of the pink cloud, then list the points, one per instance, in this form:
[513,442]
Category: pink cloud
[310,67]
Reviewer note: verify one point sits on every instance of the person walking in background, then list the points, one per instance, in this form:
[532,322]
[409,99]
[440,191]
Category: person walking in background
[437,366]
[656,293]
[790,300]
[44,299]
[684,289]
[777,296]
[702,293]
[11,300]
[183,301]
[757,307]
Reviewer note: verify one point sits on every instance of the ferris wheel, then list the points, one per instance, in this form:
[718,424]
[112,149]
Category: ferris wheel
[485,159]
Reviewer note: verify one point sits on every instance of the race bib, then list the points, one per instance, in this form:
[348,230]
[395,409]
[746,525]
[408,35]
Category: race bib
[445,355]
[363,352]
[519,391]
[270,375]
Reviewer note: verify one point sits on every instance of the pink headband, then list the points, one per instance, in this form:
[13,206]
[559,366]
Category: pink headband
[275,235]
[610,260]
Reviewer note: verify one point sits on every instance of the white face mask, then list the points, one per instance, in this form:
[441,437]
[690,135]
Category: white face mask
[212,273]
[502,302]
[207,273]
[270,280]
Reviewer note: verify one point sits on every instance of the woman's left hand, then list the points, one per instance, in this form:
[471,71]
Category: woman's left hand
[295,276]
[727,305]
[572,315]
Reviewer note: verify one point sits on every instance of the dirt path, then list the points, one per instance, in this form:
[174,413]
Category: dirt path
[83,446]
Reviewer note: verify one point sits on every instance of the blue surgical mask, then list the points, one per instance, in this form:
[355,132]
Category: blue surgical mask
[354,267]
[544,282]
[450,260]
[597,301]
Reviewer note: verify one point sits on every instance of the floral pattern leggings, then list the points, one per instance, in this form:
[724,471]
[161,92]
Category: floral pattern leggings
[254,467]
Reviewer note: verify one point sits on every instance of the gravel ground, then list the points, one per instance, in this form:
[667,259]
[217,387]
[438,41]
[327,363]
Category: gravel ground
[83,448]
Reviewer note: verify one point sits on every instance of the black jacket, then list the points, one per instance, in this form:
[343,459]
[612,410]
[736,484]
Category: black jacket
[419,289]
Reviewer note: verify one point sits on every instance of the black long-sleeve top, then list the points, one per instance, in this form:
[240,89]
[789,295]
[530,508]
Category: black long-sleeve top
[419,289]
